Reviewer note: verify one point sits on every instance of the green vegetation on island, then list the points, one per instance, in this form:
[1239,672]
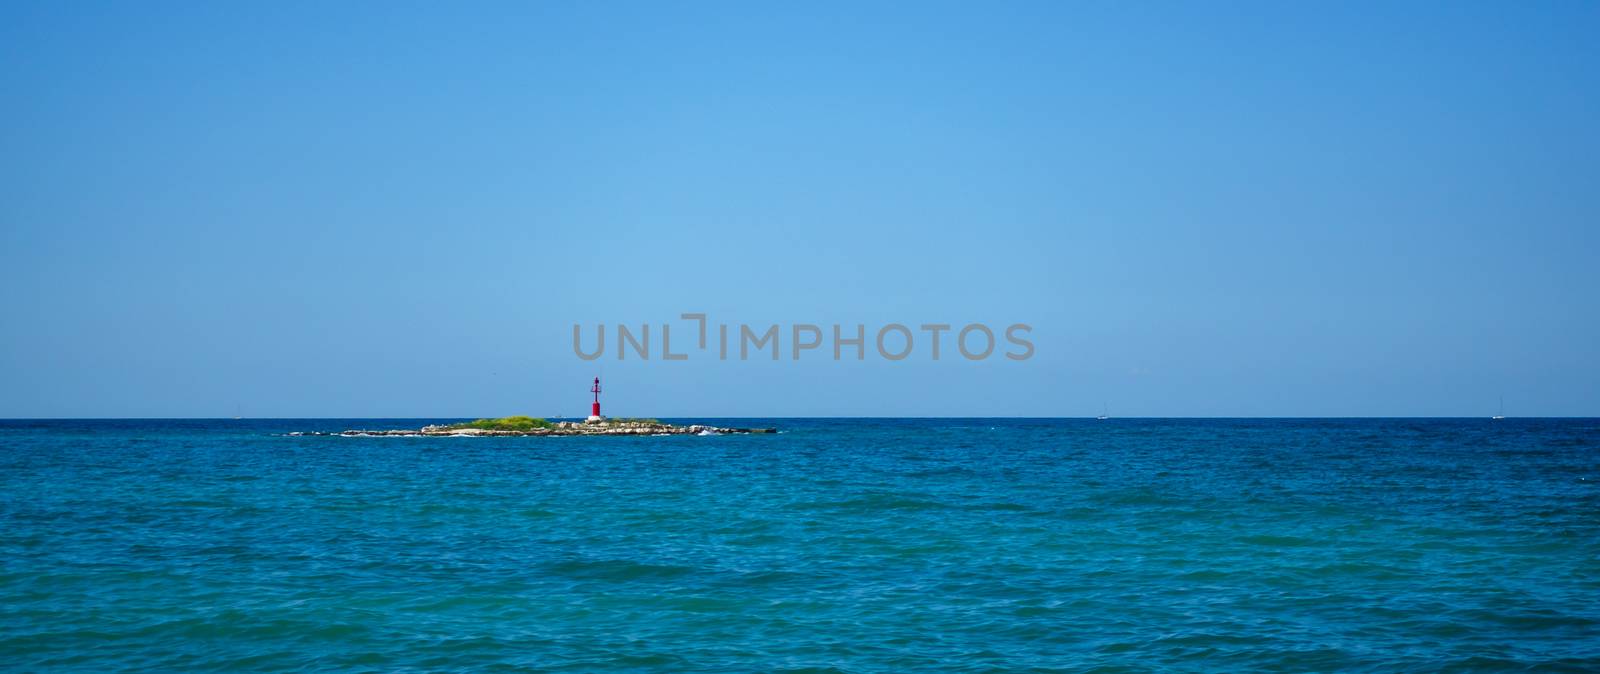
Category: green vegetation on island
[518,423]
[522,423]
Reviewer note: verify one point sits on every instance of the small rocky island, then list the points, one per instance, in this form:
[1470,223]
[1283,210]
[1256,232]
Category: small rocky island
[531,426]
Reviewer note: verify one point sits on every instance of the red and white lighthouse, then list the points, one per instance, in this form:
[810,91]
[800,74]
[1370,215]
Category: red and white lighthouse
[594,412]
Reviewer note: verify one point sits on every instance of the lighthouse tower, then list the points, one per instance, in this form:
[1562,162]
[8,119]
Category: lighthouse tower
[594,412]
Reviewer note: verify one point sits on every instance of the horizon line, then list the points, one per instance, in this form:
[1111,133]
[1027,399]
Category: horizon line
[767,417]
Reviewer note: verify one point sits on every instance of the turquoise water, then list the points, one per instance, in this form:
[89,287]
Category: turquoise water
[837,546]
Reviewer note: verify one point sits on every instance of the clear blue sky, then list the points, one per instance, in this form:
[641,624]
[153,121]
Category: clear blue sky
[392,209]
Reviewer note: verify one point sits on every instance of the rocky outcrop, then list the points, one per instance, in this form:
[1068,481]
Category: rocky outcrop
[563,428]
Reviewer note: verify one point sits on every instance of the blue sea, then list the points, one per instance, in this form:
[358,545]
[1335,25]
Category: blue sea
[838,545]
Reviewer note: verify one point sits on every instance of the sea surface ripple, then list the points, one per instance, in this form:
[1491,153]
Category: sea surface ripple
[848,545]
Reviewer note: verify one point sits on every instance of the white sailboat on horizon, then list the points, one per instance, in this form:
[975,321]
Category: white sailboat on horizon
[1502,413]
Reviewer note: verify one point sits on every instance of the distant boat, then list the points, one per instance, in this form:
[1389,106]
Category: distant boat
[1502,413]
[1105,412]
